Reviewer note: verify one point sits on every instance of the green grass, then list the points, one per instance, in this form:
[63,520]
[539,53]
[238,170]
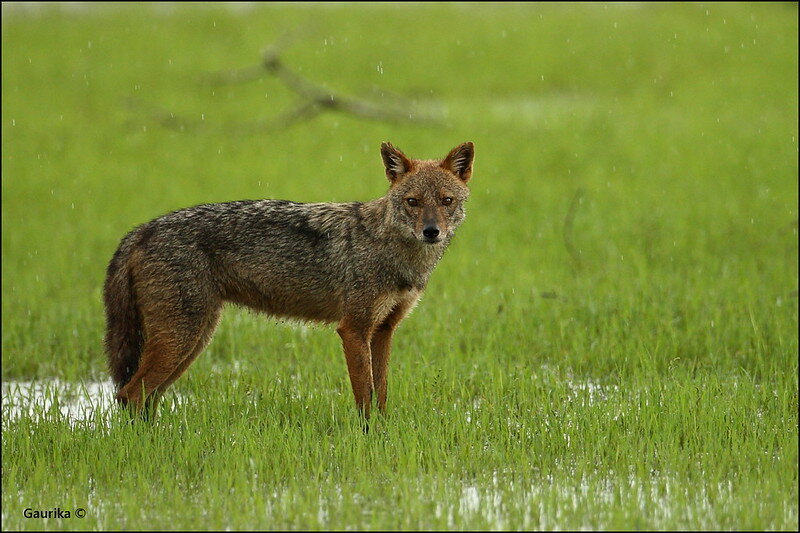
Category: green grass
[626,363]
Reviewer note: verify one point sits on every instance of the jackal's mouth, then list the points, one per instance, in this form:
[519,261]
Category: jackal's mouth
[431,240]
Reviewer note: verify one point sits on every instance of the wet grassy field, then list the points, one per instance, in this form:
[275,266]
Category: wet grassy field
[610,342]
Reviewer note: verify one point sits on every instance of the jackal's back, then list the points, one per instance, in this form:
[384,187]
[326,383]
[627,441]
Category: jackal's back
[285,258]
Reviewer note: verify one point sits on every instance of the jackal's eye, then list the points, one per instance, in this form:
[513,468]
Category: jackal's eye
[412,202]
[447,200]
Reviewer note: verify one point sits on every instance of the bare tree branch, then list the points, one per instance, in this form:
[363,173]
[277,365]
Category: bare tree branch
[314,99]
[272,64]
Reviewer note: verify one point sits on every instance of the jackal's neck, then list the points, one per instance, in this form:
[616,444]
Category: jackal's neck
[381,218]
[377,214]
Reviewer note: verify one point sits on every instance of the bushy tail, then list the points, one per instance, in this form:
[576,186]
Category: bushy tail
[124,337]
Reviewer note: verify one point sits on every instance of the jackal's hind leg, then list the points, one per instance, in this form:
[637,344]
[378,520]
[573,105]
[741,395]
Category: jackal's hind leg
[170,346]
[205,334]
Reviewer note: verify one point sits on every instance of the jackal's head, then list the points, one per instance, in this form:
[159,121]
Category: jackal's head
[427,197]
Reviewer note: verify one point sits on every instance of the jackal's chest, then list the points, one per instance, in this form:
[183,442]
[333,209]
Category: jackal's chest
[386,303]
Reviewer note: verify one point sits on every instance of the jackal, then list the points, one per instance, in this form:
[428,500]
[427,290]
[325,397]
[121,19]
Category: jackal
[360,265]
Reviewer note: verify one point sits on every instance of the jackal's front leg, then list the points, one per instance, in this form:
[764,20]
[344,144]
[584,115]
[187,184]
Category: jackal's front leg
[355,340]
[381,346]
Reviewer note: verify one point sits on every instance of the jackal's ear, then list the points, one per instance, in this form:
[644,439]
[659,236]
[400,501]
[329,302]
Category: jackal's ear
[459,161]
[395,161]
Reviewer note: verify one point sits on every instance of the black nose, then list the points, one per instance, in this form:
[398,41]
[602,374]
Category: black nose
[430,232]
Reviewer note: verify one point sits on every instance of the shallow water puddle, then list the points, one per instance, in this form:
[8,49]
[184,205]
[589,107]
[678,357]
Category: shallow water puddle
[76,402]
[547,505]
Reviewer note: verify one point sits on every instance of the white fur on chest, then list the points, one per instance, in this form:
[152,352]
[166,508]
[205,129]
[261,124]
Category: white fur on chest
[388,302]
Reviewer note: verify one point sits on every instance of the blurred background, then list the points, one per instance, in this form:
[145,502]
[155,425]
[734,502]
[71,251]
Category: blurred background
[610,342]
[635,185]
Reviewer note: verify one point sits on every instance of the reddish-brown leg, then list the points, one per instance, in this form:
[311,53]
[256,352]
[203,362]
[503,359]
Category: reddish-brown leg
[204,338]
[355,336]
[380,348]
[171,338]
[178,312]
[160,357]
